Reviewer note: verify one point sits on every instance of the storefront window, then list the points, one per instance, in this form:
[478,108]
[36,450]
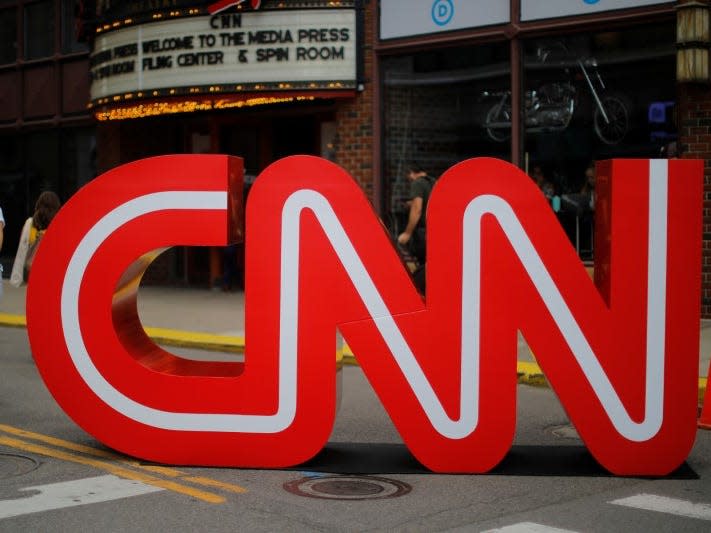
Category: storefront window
[591,97]
[8,35]
[42,172]
[13,196]
[69,29]
[39,29]
[68,161]
[78,165]
[242,142]
[435,106]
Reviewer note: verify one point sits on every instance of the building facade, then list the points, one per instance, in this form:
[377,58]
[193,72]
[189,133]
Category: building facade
[47,135]
[372,85]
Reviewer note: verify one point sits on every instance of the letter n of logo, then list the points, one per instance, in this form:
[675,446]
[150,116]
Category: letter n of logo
[622,356]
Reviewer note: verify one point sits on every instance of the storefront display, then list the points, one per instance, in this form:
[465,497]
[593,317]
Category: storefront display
[435,105]
[605,90]
[553,97]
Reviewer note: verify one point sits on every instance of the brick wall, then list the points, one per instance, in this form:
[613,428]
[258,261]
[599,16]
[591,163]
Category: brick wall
[353,146]
[694,116]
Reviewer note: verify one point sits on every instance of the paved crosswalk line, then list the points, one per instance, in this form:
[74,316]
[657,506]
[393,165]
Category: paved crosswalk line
[662,504]
[115,457]
[112,468]
[528,527]
[72,493]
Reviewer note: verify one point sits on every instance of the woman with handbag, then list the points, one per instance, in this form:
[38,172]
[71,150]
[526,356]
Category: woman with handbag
[46,207]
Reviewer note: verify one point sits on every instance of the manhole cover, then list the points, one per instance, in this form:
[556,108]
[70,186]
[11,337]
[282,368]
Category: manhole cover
[565,432]
[12,465]
[348,487]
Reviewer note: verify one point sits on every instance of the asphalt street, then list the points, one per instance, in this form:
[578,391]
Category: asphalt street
[55,477]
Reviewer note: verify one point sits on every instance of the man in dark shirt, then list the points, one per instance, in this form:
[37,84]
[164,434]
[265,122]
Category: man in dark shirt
[414,235]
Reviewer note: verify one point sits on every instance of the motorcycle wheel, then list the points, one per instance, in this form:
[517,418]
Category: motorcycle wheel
[498,113]
[618,114]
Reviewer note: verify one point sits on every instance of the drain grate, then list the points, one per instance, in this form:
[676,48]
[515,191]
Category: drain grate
[12,465]
[348,487]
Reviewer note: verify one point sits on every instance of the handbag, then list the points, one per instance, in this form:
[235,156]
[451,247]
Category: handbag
[32,250]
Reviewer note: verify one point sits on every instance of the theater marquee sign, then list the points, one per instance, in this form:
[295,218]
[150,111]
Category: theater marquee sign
[255,51]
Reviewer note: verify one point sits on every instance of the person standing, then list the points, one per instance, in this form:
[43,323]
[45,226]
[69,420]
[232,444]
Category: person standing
[46,207]
[543,182]
[413,236]
[588,188]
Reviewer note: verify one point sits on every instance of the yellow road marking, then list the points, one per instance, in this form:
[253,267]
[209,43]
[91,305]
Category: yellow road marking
[163,470]
[209,482]
[166,336]
[169,472]
[112,469]
[205,341]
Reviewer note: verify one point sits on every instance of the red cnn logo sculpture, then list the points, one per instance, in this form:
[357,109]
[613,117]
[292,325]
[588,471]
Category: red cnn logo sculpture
[622,356]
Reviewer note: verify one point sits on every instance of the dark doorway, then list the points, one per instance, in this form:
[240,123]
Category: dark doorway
[243,140]
[294,135]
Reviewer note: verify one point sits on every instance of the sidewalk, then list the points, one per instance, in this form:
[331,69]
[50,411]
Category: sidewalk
[194,318]
[214,320]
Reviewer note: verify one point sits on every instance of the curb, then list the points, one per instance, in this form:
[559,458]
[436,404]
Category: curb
[171,337]
[13,321]
[167,337]
[528,372]
[193,339]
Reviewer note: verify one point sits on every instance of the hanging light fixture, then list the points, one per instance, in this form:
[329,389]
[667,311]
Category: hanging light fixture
[692,41]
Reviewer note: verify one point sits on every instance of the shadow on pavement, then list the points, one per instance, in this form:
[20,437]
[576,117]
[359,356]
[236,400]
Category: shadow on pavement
[373,458]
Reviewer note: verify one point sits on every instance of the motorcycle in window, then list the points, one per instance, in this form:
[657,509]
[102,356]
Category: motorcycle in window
[551,106]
